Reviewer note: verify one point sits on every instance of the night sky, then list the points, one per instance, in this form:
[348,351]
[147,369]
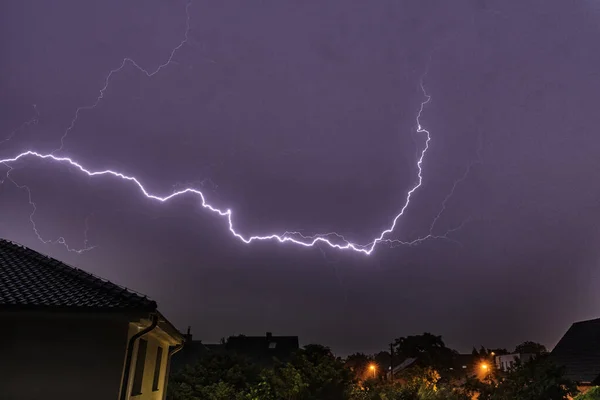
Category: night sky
[301,116]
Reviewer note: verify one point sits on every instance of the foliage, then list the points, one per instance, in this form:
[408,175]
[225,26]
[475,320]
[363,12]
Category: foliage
[592,394]
[218,376]
[325,376]
[358,363]
[530,348]
[313,374]
[537,379]
[430,350]
[382,390]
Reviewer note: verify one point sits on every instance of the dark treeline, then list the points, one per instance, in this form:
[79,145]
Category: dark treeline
[425,370]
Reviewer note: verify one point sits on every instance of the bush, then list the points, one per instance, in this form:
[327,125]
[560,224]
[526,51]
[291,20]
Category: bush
[592,394]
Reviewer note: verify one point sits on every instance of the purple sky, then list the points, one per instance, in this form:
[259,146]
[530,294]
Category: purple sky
[300,116]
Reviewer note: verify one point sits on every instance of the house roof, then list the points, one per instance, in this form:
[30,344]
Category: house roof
[262,343]
[579,351]
[408,362]
[30,280]
[266,347]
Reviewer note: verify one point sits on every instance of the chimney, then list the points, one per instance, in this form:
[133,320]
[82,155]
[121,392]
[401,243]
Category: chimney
[188,335]
[269,335]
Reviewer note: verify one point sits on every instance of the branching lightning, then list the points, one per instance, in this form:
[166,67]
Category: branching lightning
[124,63]
[61,240]
[228,214]
[32,121]
[455,185]
[332,239]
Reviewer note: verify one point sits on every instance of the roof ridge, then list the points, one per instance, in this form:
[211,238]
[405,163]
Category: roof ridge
[587,320]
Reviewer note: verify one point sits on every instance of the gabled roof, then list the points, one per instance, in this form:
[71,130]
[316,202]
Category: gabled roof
[30,280]
[408,362]
[579,351]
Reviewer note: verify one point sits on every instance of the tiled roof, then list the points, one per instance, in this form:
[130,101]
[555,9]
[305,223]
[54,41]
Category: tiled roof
[30,280]
[579,351]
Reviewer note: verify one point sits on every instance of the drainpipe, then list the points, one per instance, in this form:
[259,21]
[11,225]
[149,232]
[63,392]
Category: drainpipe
[168,369]
[132,340]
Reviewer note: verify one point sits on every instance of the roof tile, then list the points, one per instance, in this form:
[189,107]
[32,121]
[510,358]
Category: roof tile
[29,279]
[579,351]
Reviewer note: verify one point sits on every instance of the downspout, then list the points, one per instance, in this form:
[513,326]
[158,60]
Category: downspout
[168,369]
[125,381]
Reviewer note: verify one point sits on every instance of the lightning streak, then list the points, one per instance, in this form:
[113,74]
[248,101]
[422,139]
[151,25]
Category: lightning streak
[292,237]
[124,63]
[331,239]
[455,185]
[61,240]
[32,121]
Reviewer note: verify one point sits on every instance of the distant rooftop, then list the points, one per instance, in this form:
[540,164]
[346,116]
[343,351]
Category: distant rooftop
[31,280]
[267,345]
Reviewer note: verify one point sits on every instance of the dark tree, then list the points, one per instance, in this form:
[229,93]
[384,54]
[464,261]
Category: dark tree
[324,375]
[530,348]
[430,350]
[359,364]
[216,376]
[538,379]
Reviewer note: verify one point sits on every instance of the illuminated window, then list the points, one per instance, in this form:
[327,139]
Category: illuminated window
[157,368]
[136,388]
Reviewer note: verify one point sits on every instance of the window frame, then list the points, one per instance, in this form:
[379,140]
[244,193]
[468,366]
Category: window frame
[157,369]
[140,362]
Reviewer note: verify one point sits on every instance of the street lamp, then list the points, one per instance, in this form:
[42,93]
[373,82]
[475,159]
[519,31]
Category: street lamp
[373,368]
[484,366]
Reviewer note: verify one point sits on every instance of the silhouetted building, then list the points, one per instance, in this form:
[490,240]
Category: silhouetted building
[505,362]
[67,334]
[264,348]
[579,352]
[461,366]
[193,350]
[259,349]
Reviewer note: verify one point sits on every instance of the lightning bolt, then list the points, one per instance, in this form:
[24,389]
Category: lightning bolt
[457,182]
[124,63]
[292,237]
[331,239]
[32,121]
[61,240]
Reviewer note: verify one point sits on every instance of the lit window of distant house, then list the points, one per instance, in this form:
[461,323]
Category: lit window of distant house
[138,376]
[272,345]
[159,353]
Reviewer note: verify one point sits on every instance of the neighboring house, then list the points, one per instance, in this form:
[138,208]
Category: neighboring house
[463,365]
[264,348]
[579,352]
[260,349]
[69,335]
[192,351]
[507,361]
[405,365]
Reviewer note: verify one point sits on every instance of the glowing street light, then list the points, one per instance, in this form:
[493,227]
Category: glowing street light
[484,366]
[373,368]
